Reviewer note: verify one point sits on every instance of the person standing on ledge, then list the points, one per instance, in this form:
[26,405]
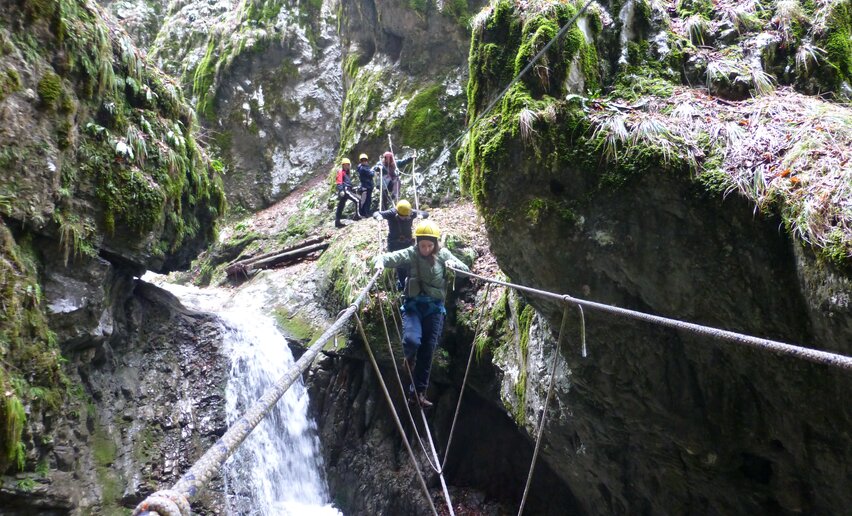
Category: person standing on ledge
[344,192]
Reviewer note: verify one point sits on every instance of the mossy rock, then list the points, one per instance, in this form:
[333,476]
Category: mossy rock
[49,89]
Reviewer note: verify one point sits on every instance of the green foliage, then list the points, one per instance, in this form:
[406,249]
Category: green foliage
[204,79]
[30,369]
[13,419]
[49,89]
[426,121]
[26,484]
[458,10]
[838,41]
[419,6]
[361,107]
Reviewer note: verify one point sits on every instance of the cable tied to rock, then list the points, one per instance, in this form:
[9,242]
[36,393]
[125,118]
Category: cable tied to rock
[779,348]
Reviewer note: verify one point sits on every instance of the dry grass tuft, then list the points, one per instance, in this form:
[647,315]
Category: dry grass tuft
[782,150]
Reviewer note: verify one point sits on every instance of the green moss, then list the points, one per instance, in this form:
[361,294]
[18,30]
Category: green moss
[204,79]
[40,9]
[458,10]
[130,199]
[351,65]
[49,89]
[838,41]
[419,6]
[686,8]
[296,327]
[426,121]
[31,362]
[540,208]
[360,108]
[13,418]
[10,82]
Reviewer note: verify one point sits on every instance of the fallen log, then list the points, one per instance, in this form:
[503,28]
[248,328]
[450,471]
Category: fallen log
[242,269]
[304,243]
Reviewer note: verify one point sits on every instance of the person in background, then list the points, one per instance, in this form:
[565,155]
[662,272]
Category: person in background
[344,192]
[423,308]
[390,170]
[365,177]
[400,219]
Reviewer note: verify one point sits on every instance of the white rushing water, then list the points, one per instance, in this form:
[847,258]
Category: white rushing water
[278,468]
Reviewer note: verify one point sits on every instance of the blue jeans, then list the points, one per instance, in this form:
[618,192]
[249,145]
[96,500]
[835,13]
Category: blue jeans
[422,324]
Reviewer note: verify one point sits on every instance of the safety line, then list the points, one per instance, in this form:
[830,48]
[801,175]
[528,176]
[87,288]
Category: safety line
[414,182]
[779,348]
[402,392]
[436,466]
[544,410]
[396,419]
[189,485]
[466,372]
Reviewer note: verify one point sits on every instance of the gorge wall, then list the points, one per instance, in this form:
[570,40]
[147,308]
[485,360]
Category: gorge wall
[592,187]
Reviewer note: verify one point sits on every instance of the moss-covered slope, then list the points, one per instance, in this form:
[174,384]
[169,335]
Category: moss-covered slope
[98,157]
[99,148]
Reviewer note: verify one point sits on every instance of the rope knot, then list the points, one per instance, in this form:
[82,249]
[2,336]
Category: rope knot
[164,503]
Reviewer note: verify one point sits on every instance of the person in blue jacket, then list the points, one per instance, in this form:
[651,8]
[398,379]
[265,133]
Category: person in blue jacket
[400,219]
[423,309]
[365,176]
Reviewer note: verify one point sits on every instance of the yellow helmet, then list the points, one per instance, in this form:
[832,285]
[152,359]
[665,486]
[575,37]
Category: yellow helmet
[362,157]
[403,207]
[427,229]
[345,161]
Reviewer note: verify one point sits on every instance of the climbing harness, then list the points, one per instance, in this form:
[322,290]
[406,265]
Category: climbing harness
[779,348]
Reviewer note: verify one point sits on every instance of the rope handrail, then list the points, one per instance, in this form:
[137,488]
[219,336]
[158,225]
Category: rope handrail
[204,468]
[780,348]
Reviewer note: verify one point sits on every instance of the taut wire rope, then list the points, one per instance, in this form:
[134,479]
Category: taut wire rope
[466,371]
[544,410]
[396,416]
[780,348]
[189,485]
[402,392]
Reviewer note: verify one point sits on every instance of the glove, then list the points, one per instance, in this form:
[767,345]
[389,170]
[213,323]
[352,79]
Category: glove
[377,215]
[424,214]
[378,263]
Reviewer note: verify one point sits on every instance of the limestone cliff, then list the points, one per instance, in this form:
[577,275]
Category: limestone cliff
[101,178]
[604,174]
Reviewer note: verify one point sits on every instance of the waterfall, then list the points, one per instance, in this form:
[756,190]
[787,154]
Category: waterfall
[278,469]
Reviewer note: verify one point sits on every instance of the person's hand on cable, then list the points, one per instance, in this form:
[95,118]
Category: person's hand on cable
[377,215]
[378,263]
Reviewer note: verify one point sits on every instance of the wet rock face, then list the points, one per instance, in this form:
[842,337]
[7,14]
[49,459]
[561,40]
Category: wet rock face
[141,19]
[151,402]
[660,420]
[277,118]
[368,468]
